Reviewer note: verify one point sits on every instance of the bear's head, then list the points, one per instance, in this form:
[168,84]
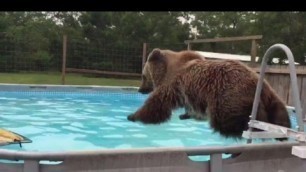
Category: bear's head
[153,72]
[162,65]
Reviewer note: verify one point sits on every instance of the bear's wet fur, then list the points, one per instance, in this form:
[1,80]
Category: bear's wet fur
[224,89]
[169,64]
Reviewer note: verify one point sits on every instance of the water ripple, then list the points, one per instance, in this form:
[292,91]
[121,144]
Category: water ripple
[76,121]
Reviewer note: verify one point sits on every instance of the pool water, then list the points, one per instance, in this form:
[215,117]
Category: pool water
[66,121]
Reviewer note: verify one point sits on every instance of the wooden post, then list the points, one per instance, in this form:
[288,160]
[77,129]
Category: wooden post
[213,46]
[225,39]
[144,54]
[188,46]
[64,59]
[253,52]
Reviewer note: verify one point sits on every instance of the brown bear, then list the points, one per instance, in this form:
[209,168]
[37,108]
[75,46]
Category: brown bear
[225,88]
[157,72]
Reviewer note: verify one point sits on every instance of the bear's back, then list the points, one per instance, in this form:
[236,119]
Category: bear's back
[177,61]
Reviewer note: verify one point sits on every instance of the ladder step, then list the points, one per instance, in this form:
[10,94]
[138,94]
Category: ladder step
[299,151]
[262,135]
[283,131]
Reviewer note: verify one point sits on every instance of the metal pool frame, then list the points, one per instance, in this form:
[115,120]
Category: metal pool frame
[252,157]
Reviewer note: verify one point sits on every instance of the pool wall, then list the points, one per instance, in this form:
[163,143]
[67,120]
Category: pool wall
[252,157]
[62,88]
[275,157]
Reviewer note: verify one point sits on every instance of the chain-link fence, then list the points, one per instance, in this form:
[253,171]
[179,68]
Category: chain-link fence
[28,55]
[81,62]
[105,57]
[59,59]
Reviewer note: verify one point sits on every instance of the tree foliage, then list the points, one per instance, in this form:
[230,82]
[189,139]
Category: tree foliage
[276,27]
[33,40]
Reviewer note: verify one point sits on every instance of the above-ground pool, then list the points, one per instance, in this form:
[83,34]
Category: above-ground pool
[87,119]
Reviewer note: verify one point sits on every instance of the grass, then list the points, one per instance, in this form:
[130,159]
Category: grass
[55,78]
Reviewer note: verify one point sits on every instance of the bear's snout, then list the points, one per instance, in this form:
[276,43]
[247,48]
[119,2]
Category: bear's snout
[144,90]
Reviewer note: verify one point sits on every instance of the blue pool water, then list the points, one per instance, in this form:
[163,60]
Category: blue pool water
[66,121]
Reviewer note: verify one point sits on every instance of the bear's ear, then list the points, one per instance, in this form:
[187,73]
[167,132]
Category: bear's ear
[156,54]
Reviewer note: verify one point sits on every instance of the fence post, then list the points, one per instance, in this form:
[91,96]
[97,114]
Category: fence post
[31,166]
[253,52]
[64,59]
[189,46]
[144,54]
[216,163]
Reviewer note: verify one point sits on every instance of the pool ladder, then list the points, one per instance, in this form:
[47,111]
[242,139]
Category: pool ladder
[271,130]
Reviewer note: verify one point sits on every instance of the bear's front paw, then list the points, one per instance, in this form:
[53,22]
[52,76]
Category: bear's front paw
[131,118]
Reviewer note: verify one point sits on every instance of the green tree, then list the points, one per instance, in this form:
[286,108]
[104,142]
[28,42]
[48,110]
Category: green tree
[225,24]
[31,34]
[128,30]
[276,27]
[284,27]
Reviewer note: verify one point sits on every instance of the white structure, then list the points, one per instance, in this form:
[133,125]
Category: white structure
[244,58]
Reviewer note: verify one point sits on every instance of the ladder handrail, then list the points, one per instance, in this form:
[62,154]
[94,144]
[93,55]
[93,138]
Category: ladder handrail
[295,90]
